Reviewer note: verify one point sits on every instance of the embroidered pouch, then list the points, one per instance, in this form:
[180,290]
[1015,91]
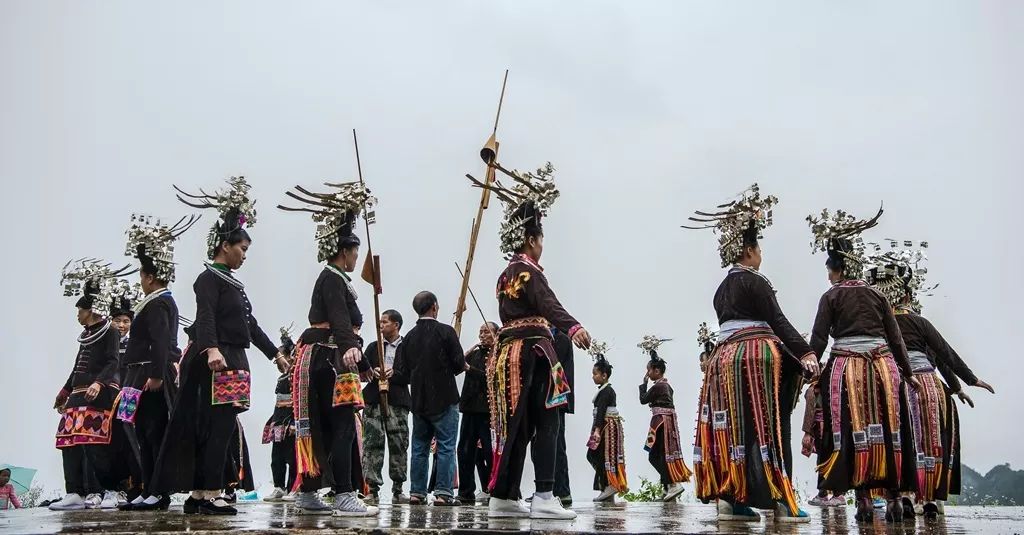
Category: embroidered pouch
[129,404]
[348,390]
[231,387]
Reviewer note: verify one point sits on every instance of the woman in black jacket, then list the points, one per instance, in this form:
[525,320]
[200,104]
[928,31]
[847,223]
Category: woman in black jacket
[214,379]
[329,363]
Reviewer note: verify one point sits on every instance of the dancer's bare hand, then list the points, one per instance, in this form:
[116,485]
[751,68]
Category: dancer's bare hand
[807,445]
[93,391]
[352,357]
[986,386]
[153,385]
[215,360]
[282,363]
[964,398]
[581,338]
[913,382]
[810,364]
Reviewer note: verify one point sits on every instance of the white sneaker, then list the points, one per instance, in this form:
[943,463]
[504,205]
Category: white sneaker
[942,507]
[93,501]
[498,508]
[348,504]
[122,498]
[608,494]
[482,496]
[673,492]
[276,496]
[549,509]
[290,497]
[110,500]
[70,502]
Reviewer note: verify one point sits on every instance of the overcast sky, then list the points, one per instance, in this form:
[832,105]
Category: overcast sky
[647,110]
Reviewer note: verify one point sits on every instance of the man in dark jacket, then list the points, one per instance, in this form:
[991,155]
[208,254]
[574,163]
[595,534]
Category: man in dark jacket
[395,428]
[474,449]
[429,359]
[563,347]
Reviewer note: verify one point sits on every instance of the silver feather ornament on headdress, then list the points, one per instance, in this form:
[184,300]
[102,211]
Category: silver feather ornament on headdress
[95,280]
[899,272]
[152,241]
[334,213]
[235,207]
[732,221]
[839,234]
[525,203]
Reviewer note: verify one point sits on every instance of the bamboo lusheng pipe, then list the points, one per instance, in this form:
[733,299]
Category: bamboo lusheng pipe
[489,154]
[382,381]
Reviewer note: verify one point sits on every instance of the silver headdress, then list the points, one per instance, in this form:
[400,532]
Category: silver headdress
[838,234]
[152,242]
[738,222]
[706,338]
[650,344]
[335,214]
[899,272]
[236,209]
[94,282]
[526,203]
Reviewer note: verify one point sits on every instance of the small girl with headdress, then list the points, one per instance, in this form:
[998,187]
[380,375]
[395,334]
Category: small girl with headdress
[605,451]
[280,431]
[663,445]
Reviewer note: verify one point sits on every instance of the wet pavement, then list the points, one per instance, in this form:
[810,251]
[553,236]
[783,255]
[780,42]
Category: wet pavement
[625,518]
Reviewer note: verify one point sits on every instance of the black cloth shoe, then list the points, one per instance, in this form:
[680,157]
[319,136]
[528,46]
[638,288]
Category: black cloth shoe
[206,507]
[162,505]
[191,506]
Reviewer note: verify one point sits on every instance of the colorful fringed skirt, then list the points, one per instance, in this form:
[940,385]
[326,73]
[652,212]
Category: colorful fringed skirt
[317,387]
[740,453]
[935,425]
[523,345]
[664,432]
[863,401]
[609,456]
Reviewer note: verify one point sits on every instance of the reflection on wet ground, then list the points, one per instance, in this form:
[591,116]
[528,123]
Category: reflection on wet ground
[619,518]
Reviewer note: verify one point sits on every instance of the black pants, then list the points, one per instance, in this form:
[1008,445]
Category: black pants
[657,457]
[538,425]
[339,452]
[596,460]
[85,468]
[562,461]
[475,427]
[150,424]
[282,460]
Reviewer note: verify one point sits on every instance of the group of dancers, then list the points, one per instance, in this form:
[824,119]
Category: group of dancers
[878,416]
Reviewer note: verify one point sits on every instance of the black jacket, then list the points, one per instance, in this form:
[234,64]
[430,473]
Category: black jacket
[428,360]
[604,399]
[224,317]
[153,338]
[474,387]
[333,303]
[398,387]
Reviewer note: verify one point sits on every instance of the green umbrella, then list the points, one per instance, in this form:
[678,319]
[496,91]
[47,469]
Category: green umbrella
[21,477]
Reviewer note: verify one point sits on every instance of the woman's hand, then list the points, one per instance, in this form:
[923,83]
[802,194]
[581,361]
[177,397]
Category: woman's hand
[351,358]
[913,382]
[60,400]
[986,386]
[810,364]
[964,398]
[807,445]
[581,338]
[282,363]
[93,391]
[153,385]
[215,360]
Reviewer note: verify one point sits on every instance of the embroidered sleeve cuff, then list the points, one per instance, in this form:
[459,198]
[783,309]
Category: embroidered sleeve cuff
[574,330]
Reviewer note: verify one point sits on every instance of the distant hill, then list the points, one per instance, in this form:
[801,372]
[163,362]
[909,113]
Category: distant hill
[1002,485]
